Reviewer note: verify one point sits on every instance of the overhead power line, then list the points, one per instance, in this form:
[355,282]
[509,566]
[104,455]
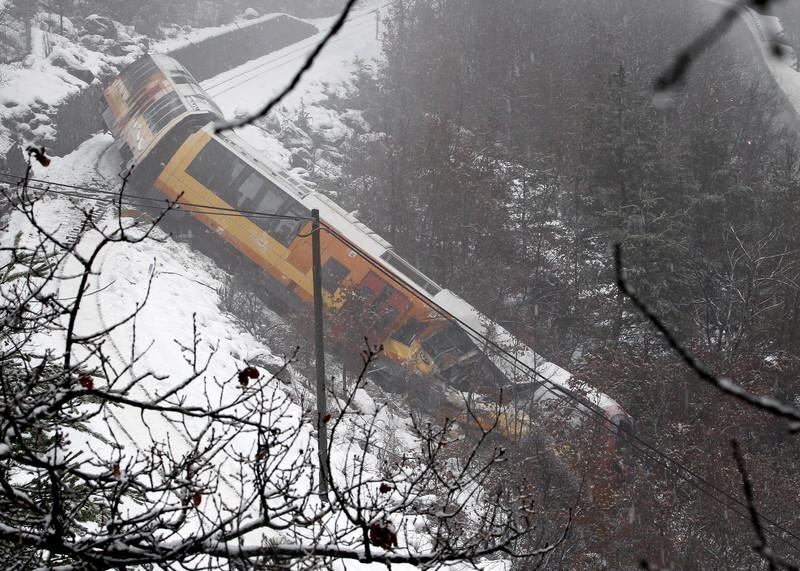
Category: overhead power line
[138,201]
[580,404]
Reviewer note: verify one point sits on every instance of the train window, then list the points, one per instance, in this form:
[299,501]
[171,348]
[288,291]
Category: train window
[250,191]
[140,77]
[167,105]
[385,307]
[411,272]
[168,116]
[385,316]
[180,76]
[381,306]
[438,344]
[218,169]
[134,74]
[145,87]
[271,199]
[146,96]
[284,230]
[409,331]
[448,339]
[333,274]
[169,111]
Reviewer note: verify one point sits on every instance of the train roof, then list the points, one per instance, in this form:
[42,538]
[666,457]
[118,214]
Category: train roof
[344,223]
[148,98]
[472,321]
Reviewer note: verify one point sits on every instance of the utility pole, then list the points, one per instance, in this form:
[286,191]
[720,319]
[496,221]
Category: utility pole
[322,429]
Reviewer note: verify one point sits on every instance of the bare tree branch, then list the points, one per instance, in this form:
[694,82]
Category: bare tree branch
[727,386]
[675,74]
[762,548]
[229,481]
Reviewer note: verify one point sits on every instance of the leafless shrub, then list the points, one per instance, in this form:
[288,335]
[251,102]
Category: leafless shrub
[220,470]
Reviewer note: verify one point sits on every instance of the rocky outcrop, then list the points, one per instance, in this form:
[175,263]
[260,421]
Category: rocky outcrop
[74,68]
[100,26]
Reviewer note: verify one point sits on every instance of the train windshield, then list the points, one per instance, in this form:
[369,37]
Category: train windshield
[410,330]
[448,339]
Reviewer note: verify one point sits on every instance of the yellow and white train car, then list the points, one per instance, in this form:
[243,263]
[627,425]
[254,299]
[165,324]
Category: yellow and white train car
[164,125]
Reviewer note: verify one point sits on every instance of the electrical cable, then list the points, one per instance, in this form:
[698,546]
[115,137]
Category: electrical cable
[140,201]
[585,407]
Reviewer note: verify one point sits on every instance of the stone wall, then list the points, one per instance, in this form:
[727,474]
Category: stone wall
[212,56]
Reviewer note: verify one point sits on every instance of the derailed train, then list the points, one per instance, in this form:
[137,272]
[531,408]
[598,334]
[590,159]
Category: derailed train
[163,123]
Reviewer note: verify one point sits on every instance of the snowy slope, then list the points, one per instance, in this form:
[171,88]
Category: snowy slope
[175,288]
[244,89]
[182,284]
[31,90]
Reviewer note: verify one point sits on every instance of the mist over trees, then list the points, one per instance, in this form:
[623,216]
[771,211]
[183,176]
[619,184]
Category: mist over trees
[505,147]
[516,141]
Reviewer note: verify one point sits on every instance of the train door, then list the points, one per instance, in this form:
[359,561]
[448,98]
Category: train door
[380,306]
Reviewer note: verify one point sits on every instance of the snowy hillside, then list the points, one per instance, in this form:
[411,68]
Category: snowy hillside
[180,344]
[177,290]
[245,88]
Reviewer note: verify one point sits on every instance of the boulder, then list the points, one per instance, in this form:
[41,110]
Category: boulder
[73,68]
[355,120]
[294,137]
[93,42]
[120,49]
[301,158]
[101,26]
[250,14]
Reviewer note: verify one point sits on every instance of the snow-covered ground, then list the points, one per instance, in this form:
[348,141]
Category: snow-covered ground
[57,67]
[183,288]
[244,89]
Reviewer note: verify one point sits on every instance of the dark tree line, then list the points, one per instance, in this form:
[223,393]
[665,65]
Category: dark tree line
[516,141]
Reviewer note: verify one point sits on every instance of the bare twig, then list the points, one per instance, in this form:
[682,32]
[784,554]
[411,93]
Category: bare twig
[727,386]
[676,72]
[250,440]
[249,120]
[762,548]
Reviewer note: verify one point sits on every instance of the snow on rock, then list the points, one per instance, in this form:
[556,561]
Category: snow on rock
[250,14]
[100,26]
[57,68]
